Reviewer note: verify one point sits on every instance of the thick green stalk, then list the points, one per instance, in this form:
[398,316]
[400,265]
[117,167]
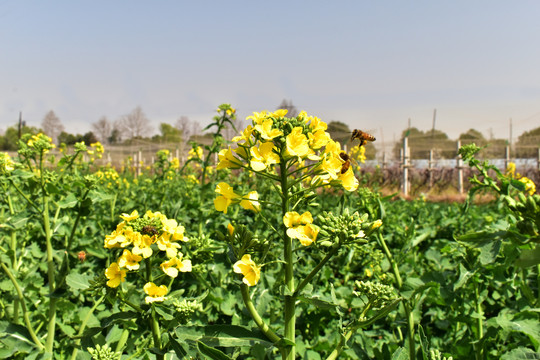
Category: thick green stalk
[479,323]
[316,269]
[154,324]
[13,247]
[50,263]
[20,296]
[256,317]
[288,352]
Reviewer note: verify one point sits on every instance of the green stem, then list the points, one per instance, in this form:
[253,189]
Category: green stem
[288,352]
[23,304]
[271,335]
[479,323]
[156,333]
[83,326]
[406,304]
[316,269]
[341,344]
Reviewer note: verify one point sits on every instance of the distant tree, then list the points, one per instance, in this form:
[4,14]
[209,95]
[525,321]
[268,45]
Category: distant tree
[11,136]
[420,144]
[115,136]
[528,144]
[103,129]
[169,133]
[71,139]
[52,126]
[135,124]
[339,131]
[472,136]
[287,104]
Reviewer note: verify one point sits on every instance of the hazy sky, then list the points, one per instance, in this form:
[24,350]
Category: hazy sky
[370,64]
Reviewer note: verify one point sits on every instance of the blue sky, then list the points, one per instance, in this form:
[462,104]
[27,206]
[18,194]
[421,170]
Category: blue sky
[372,65]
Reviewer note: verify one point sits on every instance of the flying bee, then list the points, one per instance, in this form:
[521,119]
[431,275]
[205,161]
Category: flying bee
[347,162]
[149,230]
[362,136]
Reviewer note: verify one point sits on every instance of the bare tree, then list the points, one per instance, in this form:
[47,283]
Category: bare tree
[52,126]
[135,124]
[184,125]
[103,129]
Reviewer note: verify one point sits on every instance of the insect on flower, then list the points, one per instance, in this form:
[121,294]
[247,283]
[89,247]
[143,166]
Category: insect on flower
[347,164]
[362,136]
[149,230]
[81,255]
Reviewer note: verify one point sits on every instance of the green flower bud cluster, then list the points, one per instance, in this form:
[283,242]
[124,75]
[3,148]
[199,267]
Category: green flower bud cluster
[527,209]
[185,309]
[345,228]
[436,355]
[103,353]
[377,294]
[147,226]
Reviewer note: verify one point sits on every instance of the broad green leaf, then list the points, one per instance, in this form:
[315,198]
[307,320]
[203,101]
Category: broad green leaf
[529,327]
[78,281]
[464,275]
[489,244]
[68,202]
[521,353]
[323,304]
[211,352]
[529,257]
[222,335]
[401,354]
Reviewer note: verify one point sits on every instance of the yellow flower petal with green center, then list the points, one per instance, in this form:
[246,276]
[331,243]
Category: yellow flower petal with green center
[279,113]
[530,186]
[227,160]
[263,156]
[307,234]
[128,217]
[129,260]
[164,243]
[248,268]
[258,118]
[154,292]
[266,131]
[142,246]
[115,275]
[292,219]
[227,193]
[175,264]
[318,139]
[297,145]
[251,202]
[317,124]
[245,135]
[348,180]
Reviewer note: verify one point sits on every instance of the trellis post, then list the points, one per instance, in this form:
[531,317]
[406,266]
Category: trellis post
[459,168]
[405,163]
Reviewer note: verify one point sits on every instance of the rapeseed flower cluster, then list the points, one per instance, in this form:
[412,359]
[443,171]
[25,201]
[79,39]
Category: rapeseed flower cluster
[530,186]
[6,164]
[271,139]
[140,238]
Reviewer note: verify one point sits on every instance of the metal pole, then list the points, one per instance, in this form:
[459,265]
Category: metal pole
[430,168]
[506,156]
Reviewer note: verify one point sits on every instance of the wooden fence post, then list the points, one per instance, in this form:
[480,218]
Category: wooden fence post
[406,154]
[459,168]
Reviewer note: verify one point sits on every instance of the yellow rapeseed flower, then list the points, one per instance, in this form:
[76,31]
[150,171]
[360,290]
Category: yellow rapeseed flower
[348,180]
[248,268]
[263,156]
[115,274]
[154,292]
[129,217]
[129,260]
[227,195]
[266,131]
[251,202]
[530,186]
[175,264]
[227,160]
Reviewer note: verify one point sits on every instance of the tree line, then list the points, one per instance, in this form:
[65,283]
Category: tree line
[136,126]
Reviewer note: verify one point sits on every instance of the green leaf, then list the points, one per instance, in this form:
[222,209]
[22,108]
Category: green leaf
[529,257]
[177,348]
[68,202]
[521,353]
[400,354]
[323,304]
[211,352]
[464,275]
[489,244]
[78,281]
[222,335]
[529,327]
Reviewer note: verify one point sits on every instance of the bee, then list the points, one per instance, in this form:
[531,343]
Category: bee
[81,255]
[347,162]
[362,136]
[149,230]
